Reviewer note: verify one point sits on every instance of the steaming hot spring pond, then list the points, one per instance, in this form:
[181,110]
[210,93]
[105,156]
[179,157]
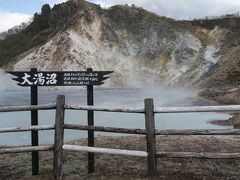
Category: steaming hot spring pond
[105,98]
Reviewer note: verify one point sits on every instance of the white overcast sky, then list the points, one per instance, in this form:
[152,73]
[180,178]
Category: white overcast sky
[13,12]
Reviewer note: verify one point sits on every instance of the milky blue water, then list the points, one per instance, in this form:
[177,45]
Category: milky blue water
[104,97]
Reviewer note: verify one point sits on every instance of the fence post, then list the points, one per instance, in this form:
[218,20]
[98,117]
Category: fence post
[58,140]
[151,138]
[90,101]
[34,122]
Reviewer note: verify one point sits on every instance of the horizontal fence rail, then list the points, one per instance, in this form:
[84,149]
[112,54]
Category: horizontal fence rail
[157,132]
[225,108]
[105,129]
[25,149]
[197,109]
[105,150]
[198,155]
[28,128]
[28,108]
[105,109]
[199,132]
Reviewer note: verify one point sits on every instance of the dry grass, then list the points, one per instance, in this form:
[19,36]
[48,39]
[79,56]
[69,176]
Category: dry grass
[17,166]
[223,96]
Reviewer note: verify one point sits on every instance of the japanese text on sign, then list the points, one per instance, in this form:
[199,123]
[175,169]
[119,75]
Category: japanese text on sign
[39,79]
[60,78]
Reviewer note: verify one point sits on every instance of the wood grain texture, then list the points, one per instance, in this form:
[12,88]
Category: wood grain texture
[199,132]
[24,149]
[198,155]
[104,109]
[28,108]
[151,139]
[197,109]
[29,128]
[104,150]
[105,129]
[58,140]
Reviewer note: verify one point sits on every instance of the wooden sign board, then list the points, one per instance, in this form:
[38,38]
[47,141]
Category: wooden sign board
[60,78]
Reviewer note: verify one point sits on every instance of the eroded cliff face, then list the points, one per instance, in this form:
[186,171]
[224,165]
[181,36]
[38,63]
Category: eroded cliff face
[140,47]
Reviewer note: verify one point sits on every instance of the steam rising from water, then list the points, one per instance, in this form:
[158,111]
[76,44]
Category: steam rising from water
[6,83]
[10,95]
[163,96]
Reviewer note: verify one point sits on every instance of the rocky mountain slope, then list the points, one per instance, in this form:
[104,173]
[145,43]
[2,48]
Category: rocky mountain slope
[140,47]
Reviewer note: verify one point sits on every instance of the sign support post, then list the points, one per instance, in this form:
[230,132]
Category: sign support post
[90,102]
[34,122]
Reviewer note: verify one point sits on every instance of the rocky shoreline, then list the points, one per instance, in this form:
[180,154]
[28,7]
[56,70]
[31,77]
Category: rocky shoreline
[222,95]
[226,96]
[234,121]
[18,166]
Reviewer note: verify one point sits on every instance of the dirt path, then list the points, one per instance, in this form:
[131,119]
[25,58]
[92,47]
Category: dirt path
[18,166]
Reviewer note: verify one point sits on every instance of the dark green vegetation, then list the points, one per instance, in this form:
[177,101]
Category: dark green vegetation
[36,34]
[44,26]
[227,22]
[15,45]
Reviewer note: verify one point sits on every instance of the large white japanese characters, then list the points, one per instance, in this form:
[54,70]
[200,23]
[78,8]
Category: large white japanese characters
[39,79]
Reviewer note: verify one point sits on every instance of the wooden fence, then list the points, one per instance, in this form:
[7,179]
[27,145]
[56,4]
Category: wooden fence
[149,111]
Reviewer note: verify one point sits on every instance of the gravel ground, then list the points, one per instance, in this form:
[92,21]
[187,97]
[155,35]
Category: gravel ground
[18,166]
